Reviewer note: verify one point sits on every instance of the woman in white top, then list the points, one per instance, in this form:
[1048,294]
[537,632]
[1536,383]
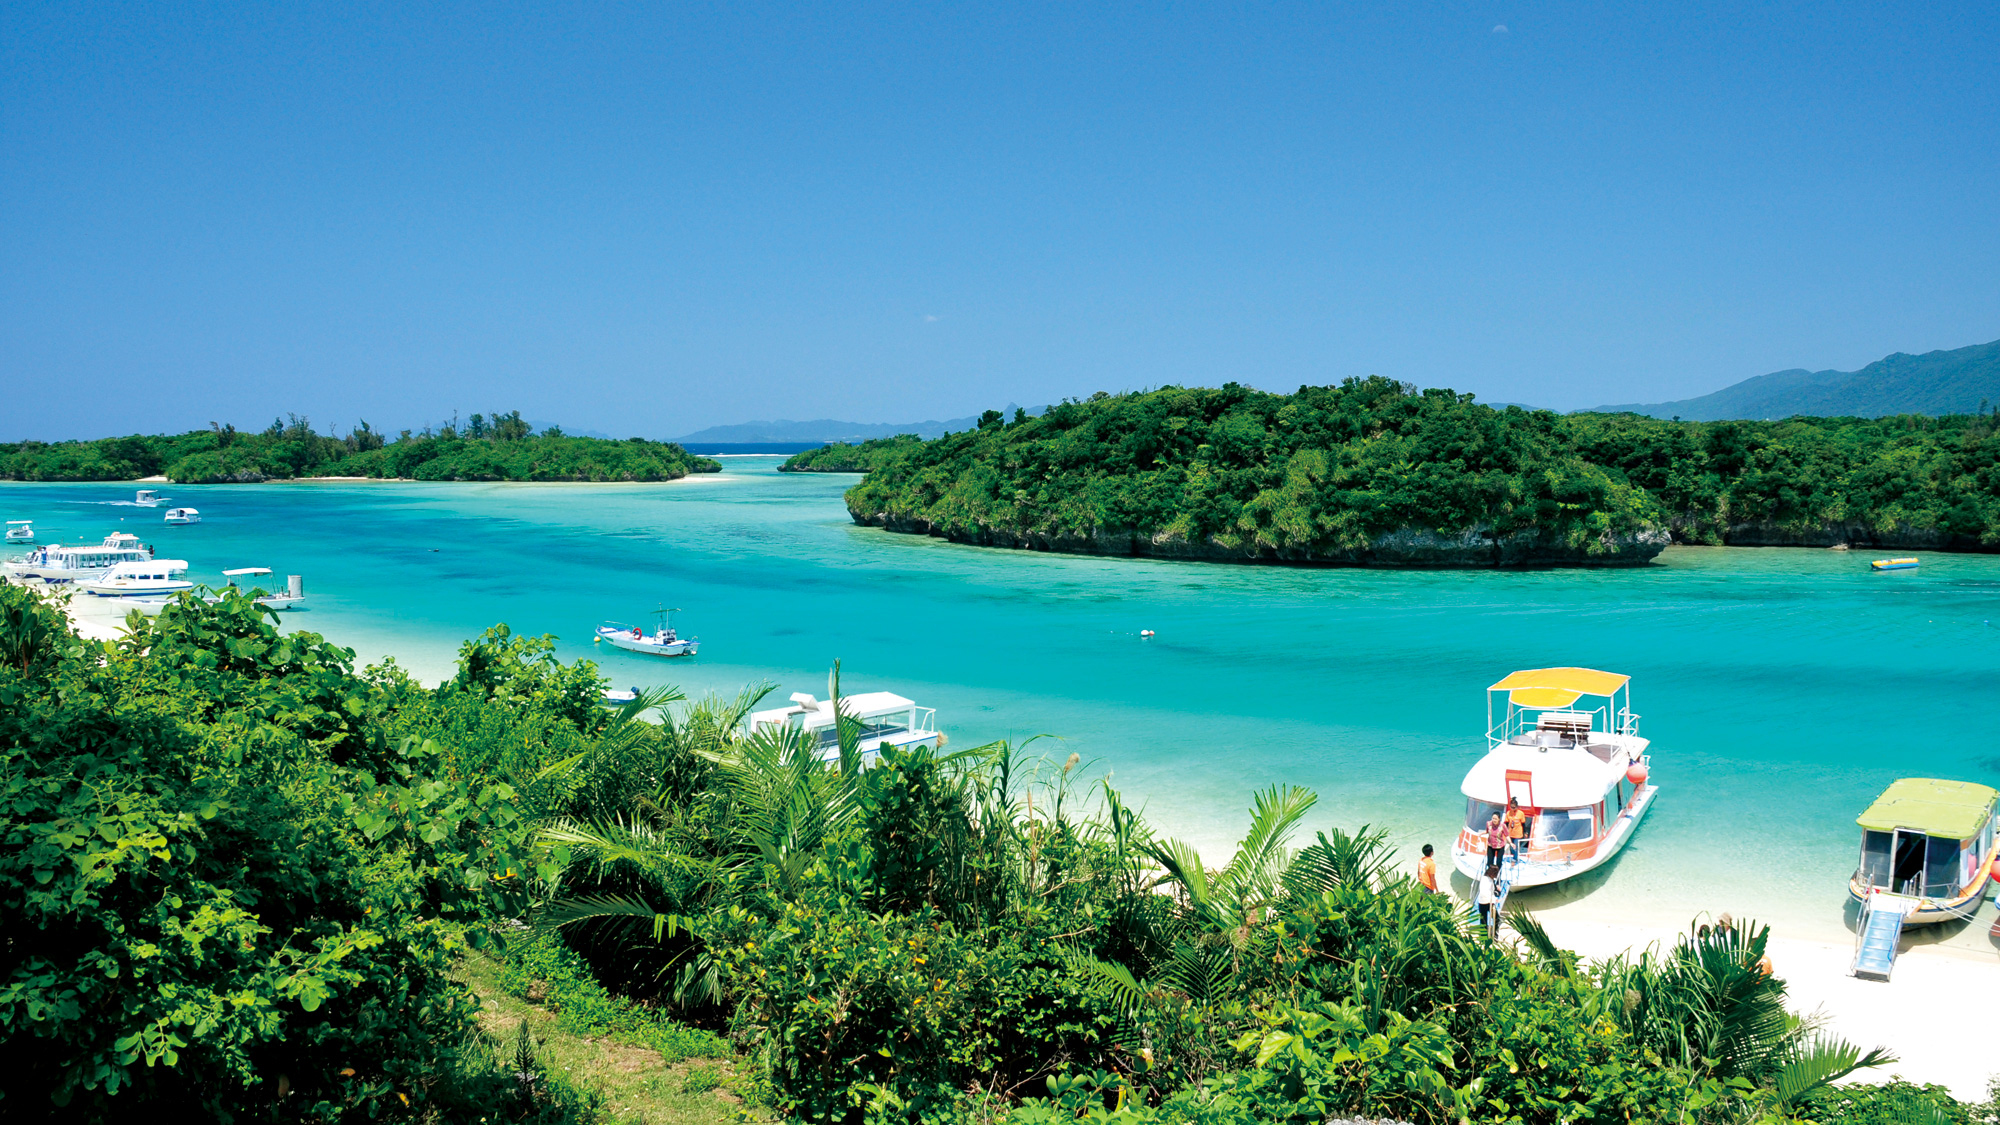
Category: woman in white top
[1485,893]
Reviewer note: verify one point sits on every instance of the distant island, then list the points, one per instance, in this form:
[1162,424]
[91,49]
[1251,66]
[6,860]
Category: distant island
[497,448]
[1376,472]
[1961,381]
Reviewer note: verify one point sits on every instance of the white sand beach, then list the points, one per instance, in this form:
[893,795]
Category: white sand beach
[1923,1013]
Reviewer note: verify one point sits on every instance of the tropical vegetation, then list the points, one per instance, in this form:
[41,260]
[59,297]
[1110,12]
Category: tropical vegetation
[243,878]
[499,447]
[1350,473]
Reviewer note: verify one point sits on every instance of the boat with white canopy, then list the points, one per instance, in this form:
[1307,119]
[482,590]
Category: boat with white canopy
[1564,743]
[147,498]
[152,578]
[293,596]
[20,531]
[886,719]
[181,517]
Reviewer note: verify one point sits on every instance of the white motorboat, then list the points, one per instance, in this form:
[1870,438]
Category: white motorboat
[182,516]
[618,697]
[20,531]
[662,641]
[1565,746]
[147,498]
[153,578]
[293,596]
[886,719]
[56,564]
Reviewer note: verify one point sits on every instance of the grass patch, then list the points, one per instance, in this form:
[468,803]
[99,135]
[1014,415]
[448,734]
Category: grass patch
[633,1082]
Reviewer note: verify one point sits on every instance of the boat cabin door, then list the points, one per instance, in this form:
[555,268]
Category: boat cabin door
[1906,875]
[1521,787]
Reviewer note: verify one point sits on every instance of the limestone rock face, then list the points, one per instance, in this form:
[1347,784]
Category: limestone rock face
[1406,547]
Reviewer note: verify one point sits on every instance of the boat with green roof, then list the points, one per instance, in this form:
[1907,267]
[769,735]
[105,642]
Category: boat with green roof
[1929,841]
[1927,853]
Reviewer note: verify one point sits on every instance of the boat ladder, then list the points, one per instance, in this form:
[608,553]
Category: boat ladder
[1879,931]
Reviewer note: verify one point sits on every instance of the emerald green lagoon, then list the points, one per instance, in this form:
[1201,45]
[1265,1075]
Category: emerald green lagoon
[1782,689]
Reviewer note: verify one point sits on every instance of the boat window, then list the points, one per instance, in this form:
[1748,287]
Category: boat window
[1477,812]
[1941,867]
[1875,859]
[1565,825]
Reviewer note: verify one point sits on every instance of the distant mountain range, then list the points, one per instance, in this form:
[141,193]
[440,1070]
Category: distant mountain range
[1953,382]
[826,429]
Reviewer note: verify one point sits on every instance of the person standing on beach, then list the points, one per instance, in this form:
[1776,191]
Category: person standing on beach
[1427,871]
[1496,839]
[1485,894]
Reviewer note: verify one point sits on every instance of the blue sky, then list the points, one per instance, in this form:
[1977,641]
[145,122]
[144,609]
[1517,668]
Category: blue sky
[652,218]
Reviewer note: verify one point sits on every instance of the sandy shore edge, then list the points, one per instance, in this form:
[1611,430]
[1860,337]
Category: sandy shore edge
[1925,1013]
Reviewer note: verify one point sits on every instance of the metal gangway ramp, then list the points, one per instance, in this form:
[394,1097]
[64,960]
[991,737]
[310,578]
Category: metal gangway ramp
[1879,931]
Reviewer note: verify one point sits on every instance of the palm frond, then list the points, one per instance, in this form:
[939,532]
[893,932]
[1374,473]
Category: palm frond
[1543,948]
[567,911]
[1821,1061]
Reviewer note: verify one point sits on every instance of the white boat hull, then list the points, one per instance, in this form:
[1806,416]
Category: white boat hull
[1540,873]
[647,645]
[137,589]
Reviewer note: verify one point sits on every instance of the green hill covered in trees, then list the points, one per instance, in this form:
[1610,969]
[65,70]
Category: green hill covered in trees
[1959,381]
[502,447]
[1377,472]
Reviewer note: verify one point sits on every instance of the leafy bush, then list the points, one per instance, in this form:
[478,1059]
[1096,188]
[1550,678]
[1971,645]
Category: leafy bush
[217,891]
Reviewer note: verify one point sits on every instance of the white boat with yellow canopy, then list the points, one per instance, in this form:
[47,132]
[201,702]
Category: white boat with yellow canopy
[1564,743]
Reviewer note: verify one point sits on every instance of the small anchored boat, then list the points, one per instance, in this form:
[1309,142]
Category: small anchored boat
[180,517]
[1928,848]
[1564,743]
[663,641]
[152,578]
[20,531]
[1909,563]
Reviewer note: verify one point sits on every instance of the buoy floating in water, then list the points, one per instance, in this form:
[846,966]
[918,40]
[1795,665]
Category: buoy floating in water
[1145,632]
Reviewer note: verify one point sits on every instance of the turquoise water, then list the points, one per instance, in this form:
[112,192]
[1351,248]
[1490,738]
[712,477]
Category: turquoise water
[1782,688]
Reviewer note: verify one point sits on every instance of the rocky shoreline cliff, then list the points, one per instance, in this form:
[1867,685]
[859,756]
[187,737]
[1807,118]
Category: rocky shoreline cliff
[1408,547]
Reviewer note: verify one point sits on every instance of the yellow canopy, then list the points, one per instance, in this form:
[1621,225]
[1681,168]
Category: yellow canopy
[1557,687]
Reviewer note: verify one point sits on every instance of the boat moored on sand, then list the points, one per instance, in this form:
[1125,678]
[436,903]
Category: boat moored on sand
[885,718]
[152,578]
[1928,849]
[55,564]
[1564,743]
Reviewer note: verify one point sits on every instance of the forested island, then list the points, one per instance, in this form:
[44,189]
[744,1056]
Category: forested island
[496,448]
[242,878]
[1377,472]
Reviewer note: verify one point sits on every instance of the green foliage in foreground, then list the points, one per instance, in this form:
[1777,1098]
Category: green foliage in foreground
[1326,469]
[502,448]
[236,873]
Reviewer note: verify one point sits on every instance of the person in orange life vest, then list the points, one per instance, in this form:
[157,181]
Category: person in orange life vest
[1517,823]
[1427,871]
